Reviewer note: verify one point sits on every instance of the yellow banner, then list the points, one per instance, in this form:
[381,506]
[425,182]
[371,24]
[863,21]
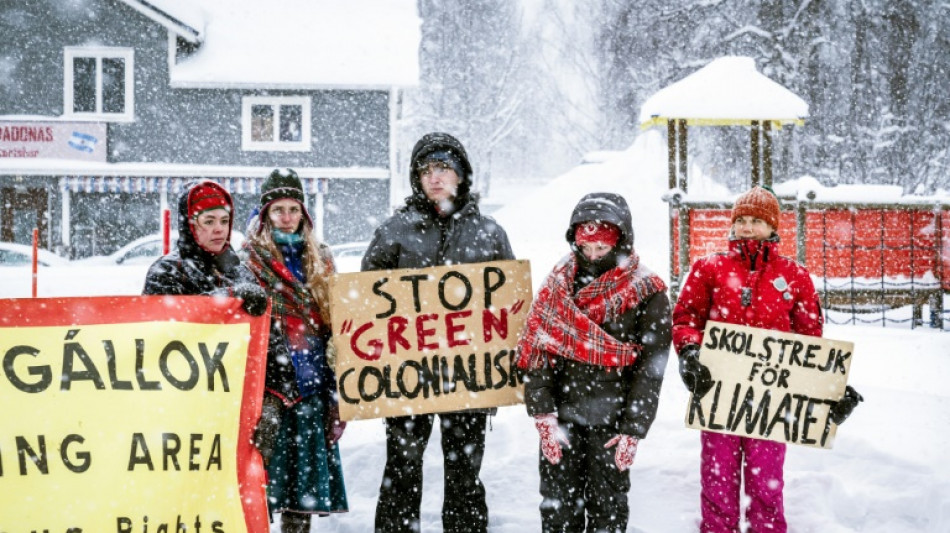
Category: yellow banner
[127,427]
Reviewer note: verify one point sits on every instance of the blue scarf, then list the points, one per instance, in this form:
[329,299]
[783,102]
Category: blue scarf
[312,372]
[291,247]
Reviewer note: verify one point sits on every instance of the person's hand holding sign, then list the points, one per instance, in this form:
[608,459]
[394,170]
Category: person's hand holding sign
[843,408]
[255,299]
[695,375]
[551,437]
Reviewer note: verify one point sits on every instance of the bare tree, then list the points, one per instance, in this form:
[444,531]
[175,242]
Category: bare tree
[472,55]
[531,95]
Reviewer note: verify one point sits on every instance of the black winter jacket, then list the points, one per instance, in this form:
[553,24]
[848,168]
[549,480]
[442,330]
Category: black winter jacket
[625,399]
[416,237]
[190,270]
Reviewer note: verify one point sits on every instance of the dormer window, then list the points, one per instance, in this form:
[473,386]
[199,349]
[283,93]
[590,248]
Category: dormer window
[276,123]
[99,83]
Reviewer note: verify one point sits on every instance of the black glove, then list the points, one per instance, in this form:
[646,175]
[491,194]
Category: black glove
[265,434]
[841,410]
[335,425]
[255,299]
[695,375]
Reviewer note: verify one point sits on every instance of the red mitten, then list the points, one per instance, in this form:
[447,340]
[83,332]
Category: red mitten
[551,437]
[626,450]
[335,426]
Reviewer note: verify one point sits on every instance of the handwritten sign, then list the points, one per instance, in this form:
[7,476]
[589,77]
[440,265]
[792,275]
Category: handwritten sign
[131,414]
[429,340]
[770,385]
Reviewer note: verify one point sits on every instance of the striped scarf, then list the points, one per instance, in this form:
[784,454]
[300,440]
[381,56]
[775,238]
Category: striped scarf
[562,325]
[291,299]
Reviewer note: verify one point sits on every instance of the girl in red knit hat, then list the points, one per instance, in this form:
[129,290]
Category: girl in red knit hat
[752,285]
[203,262]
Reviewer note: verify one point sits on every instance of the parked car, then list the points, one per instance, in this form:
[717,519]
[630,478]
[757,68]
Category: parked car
[145,250]
[13,254]
[349,255]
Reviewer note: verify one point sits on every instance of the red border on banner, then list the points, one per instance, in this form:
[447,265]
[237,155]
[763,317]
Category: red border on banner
[47,312]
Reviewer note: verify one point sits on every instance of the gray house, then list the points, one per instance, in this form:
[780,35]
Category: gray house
[108,106]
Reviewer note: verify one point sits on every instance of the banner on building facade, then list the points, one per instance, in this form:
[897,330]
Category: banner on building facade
[85,141]
[131,414]
[429,340]
[770,385]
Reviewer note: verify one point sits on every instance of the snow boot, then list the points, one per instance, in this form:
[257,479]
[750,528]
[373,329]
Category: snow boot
[294,522]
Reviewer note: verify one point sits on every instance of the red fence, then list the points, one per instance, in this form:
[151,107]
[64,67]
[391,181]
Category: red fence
[864,257]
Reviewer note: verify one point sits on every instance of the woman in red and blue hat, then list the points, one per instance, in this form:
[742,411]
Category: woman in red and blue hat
[203,262]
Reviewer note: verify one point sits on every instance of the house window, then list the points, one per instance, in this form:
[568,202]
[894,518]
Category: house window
[276,123]
[99,83]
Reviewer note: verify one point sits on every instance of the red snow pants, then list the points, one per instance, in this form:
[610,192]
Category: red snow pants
[725,461]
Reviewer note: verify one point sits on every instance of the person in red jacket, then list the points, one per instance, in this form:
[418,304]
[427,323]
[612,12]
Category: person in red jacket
[751,285]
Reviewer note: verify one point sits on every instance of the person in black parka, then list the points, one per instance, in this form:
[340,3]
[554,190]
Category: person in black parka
[593,350]
[204,262]
[439,225]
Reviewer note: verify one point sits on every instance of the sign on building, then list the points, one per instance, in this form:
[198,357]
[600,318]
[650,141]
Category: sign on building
[770,385]
[84,141]
[429,340]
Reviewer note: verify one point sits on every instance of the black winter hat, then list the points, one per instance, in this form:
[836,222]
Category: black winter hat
[282,183]
[438,141]
[438,146]
[442,156]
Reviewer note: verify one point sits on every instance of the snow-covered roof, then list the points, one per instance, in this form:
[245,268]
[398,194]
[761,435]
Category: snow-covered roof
[727,91]
[182,17]
[300,44]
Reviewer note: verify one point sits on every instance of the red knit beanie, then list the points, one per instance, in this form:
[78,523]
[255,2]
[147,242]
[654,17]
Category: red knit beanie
[759,203]
[207,195]
[593,231]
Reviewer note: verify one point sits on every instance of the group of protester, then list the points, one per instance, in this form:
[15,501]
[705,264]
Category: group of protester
[593,352]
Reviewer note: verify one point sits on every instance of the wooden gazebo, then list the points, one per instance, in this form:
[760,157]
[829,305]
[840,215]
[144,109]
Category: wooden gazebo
[729,91]
[867,257]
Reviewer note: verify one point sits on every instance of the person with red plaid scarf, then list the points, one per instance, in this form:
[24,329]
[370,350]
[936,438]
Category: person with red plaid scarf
[593,351]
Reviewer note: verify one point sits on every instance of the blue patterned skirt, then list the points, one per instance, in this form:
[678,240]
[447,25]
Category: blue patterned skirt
[305,475]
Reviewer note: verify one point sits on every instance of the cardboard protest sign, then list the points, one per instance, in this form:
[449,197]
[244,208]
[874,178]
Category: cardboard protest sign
[131,414]
[429,340]
[770,385]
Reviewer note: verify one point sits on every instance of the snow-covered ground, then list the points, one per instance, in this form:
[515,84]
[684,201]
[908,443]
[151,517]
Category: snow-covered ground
[886,473]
